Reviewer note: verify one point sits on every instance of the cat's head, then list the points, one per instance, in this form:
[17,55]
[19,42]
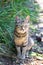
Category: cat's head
[22,26]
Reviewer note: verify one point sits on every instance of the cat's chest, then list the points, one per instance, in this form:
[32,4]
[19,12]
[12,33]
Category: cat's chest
[20,38]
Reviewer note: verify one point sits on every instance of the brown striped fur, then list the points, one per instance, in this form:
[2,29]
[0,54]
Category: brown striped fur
[21,36]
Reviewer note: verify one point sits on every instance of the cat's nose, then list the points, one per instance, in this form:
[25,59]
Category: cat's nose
[22,27]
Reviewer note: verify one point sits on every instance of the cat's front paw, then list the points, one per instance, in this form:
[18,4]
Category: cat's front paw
[23,56]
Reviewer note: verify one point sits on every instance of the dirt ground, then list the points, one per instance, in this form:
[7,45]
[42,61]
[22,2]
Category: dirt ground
[14,61]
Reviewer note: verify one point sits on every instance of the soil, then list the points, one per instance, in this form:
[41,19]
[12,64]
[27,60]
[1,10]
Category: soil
[15,61]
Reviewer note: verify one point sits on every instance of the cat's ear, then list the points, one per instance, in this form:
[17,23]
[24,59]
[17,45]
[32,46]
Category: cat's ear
[27,19]
[17,19]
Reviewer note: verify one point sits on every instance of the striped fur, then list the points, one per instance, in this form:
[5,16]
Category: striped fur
[21,37]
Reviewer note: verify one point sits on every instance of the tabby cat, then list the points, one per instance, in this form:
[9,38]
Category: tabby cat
[21,37]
